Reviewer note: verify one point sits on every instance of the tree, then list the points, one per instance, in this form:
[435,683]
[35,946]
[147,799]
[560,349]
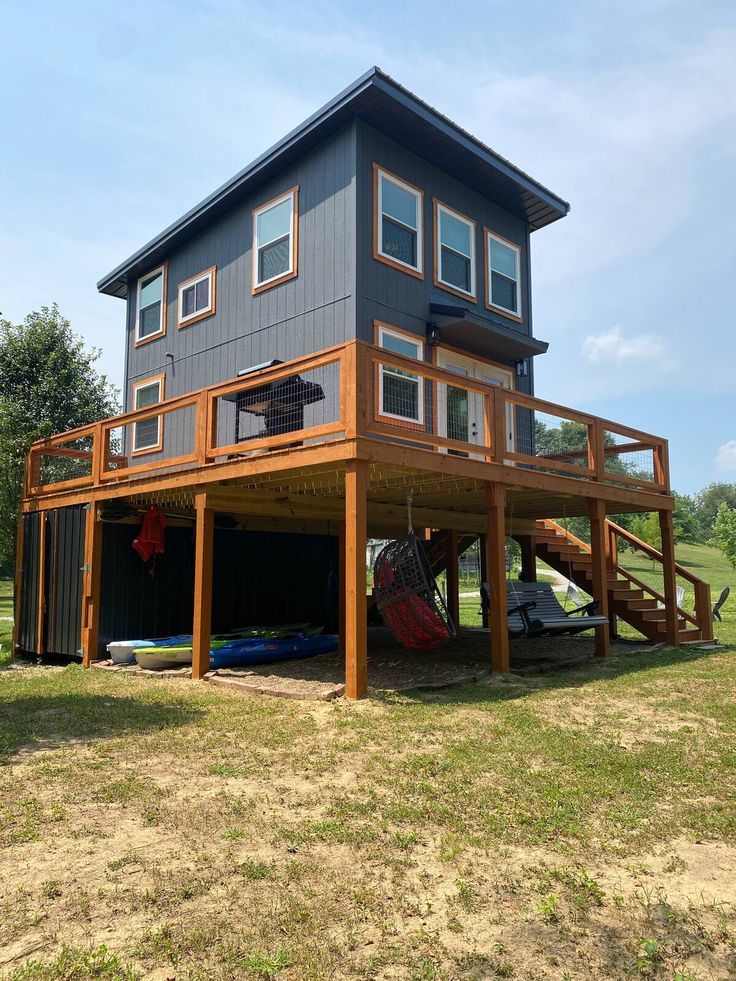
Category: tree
[48,384]
[724,532]
[707,503]
[685,519]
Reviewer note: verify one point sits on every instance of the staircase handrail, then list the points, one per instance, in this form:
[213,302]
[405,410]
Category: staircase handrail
[652,552]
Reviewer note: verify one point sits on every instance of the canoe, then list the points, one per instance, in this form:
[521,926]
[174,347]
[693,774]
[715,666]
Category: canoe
[237,653]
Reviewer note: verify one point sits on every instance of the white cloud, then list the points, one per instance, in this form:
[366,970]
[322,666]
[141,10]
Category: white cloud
[726,457]
[612,347]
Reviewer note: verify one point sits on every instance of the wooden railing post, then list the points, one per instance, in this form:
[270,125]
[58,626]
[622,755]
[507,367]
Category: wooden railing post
[99,453]
[598,550]
[669,574]
[704,610]
[203,565]
[355,386]
[499,425]
[91,585]
[356,609]
[495,495]
[201,427]
[597,450]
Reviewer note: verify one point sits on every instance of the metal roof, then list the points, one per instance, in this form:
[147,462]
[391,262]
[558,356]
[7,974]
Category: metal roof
[381,102]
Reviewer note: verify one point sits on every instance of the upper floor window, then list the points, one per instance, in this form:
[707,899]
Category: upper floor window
[397,222]
[401,392]
[197,297]
[502,286]
[454,251]
[275,230]
[151,306]
[148,433]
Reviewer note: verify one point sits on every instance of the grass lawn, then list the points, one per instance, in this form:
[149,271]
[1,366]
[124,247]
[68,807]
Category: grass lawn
[573,825]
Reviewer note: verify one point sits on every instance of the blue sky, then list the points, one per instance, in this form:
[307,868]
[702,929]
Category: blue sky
[118,117]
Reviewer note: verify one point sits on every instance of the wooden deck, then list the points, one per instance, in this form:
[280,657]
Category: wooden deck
[347,470]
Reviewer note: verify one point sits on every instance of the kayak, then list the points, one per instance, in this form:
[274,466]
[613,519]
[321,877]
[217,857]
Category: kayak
[241,651]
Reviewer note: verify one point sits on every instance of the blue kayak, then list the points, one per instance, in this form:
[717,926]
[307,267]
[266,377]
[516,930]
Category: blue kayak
[257,650]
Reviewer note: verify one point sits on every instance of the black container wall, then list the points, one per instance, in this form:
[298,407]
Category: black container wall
[28,614]
[65,551]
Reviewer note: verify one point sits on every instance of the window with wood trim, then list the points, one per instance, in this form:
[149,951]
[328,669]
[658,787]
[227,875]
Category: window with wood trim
[400,392]
[148,433]
[454,251]
[275,247]
[503,286]
[150,318]
[196,297]
[398,222]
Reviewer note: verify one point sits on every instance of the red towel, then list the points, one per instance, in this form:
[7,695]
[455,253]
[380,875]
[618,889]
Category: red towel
[151,539]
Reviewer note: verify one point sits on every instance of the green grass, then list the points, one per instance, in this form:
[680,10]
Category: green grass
[6,624]
[578,824]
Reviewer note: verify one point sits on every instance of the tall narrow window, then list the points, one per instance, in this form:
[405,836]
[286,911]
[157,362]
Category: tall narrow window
[454,251]
[398,223]
[151,306]
[401,392]
[148,433]
[275,230]
[502,286]
[197,297]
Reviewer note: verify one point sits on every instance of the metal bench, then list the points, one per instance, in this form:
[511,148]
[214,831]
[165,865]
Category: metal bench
[533,609]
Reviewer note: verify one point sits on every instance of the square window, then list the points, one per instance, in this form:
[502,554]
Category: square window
[147,433]
[197,297]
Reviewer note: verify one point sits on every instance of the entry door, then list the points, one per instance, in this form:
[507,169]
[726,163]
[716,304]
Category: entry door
[460,412]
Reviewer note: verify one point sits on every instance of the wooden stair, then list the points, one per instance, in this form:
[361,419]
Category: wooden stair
[437,550]
[629,599]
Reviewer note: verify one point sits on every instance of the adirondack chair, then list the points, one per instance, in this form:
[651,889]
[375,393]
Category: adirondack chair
[549,616]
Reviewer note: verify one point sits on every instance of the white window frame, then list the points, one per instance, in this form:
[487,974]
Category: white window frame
[162,269]
[136,450]
[386,175]
[382,331]
[472,294]
[290,195]
[207,311]
[494,237]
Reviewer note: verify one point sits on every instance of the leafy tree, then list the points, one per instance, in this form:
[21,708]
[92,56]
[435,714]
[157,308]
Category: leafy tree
[48,384]
[707,503]
[685,519]
[646,527]
[724,532]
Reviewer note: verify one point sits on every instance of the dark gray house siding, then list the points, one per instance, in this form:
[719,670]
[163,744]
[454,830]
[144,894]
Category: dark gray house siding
[400,299]
[313,311]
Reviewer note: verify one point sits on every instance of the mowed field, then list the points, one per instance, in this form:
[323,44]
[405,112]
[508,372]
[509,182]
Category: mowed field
[578,825]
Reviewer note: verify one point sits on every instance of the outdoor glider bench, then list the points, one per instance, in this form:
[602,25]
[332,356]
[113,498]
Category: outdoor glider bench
[533,609]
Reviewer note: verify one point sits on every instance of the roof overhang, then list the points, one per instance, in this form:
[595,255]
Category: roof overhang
[380,102]
[483,336]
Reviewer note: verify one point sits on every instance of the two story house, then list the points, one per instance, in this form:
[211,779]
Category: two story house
[345,321]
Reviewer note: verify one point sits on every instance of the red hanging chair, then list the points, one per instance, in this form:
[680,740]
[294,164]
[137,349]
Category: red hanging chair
[407,596]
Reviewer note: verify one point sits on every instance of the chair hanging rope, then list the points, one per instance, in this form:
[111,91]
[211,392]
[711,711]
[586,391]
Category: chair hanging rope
[407,595]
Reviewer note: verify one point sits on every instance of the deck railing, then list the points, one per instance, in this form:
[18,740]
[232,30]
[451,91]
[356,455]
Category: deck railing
[344,392]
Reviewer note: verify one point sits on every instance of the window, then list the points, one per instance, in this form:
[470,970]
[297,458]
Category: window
[454,251]
[151,306]
[398,223]
[401,392]
[148,433]
[197,297]
[502,286]
[275,231]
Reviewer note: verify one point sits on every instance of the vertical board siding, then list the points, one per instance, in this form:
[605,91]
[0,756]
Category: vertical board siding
[310,312]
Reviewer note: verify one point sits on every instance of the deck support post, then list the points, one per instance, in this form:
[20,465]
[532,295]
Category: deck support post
[483,576]
[599,549]
[90,641]
[496,569]
[356,618]
[667,529]
[341,584]
[453,578]
[203,560]
[528,546]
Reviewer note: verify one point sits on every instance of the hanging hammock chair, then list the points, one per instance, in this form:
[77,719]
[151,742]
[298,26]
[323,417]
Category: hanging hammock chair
[407,596]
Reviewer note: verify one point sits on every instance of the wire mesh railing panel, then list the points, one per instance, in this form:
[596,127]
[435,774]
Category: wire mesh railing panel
[70,460]
[270,411]
[627,458]
[557,442]
[155,442]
